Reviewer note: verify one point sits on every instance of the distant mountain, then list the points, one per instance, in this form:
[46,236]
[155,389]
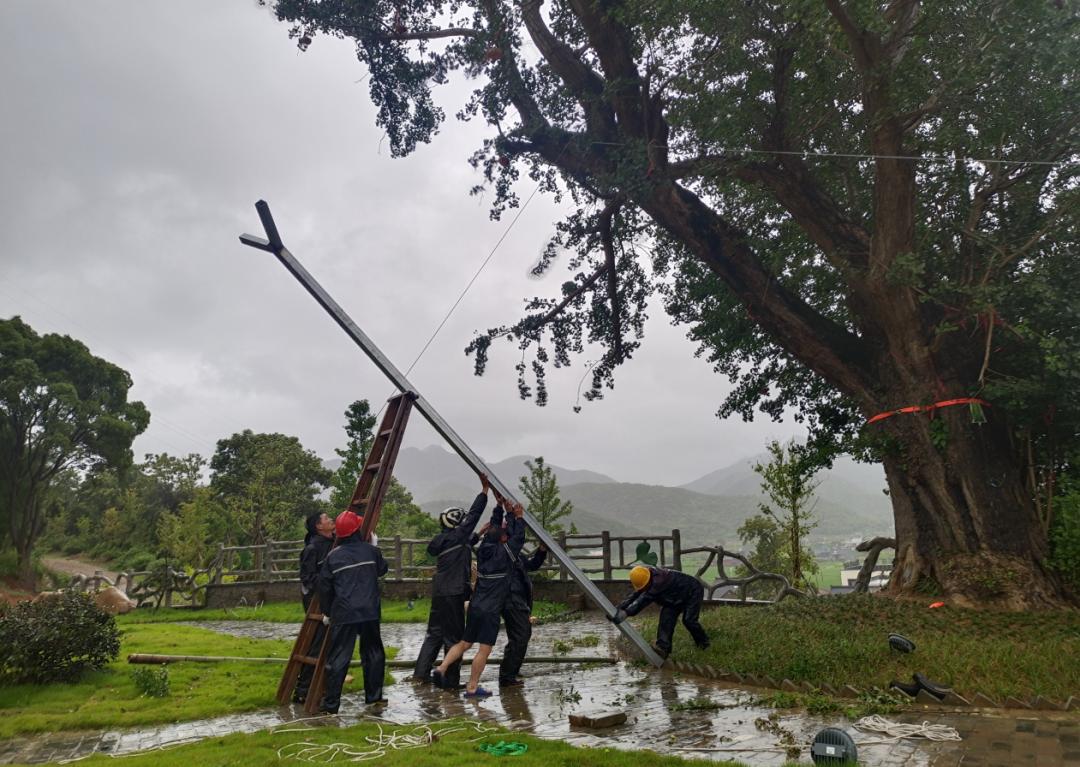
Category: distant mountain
[433,473]
[708,510]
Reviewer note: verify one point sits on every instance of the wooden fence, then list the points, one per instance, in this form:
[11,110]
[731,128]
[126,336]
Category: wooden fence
[600,556]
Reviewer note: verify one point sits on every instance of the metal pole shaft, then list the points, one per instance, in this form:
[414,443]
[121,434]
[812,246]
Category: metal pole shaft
[275,246]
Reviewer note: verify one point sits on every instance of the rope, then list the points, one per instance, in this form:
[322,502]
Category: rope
[896,730]
[380,745]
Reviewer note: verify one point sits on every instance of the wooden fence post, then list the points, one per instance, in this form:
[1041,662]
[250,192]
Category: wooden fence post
[562,545]
[676,549]
[219,564]
[605,541]
[399,568]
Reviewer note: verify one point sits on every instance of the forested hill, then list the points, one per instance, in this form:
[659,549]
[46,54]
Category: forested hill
[846,502]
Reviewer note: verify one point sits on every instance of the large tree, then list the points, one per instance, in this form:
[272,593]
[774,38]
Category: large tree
[61,408]
[856,207]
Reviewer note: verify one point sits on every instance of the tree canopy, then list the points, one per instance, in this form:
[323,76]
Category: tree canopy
[61,409]
[268,483]
[855,207]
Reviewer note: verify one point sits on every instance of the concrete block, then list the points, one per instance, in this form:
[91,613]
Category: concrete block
[983,701]
[808,687]
[1014,702]
[847,691]
[768,681]
[954,699]
[922,696]
[789,686]
[827,688]
[751,680]
[1072,703]
[1045,704]
[598,719]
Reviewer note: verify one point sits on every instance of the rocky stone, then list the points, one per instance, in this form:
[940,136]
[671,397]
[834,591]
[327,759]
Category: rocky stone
[598,719]
[113,601]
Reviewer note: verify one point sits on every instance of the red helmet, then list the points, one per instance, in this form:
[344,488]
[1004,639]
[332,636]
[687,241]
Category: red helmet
[347,523]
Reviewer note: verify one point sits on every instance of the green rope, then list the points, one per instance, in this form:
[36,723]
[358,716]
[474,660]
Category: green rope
[504,748]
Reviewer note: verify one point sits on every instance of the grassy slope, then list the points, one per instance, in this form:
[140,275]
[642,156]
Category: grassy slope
[109,698]
[844,641]
[456,749]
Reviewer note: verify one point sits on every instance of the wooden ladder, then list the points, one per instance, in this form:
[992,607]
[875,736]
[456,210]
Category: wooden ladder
[366,500]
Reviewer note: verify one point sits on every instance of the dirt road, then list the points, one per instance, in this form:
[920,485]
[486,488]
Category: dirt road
[74,566]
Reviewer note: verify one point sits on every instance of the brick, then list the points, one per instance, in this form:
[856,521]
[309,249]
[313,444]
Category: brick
[598,719]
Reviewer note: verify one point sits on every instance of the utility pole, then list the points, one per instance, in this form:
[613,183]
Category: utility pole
[273,244]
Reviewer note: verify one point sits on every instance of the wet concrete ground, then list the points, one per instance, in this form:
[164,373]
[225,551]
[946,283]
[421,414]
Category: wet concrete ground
[667,712]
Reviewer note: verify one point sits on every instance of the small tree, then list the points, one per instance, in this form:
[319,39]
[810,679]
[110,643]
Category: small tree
[541,489]
[788,482]
[359,426]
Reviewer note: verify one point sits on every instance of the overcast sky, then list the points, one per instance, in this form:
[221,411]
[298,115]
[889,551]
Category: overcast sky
[135,140]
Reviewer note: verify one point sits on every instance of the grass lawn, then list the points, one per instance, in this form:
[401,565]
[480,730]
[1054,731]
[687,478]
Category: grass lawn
[453,749]
[844,640]
[109,698]
[393,611]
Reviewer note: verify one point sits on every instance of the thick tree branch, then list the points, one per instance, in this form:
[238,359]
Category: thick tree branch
[815,340]
[586,86]
[430,34]
[606,217]
[615,51]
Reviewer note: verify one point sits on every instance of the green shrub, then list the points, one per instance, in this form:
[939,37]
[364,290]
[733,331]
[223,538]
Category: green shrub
[55,639]
[151,682]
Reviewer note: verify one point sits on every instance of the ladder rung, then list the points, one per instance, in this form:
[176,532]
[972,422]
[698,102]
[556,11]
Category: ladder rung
[307,660]
[373,466]
[386,433]
[316,617]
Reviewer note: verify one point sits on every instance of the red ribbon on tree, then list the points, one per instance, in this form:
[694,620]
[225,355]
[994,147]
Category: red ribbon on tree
[929,408]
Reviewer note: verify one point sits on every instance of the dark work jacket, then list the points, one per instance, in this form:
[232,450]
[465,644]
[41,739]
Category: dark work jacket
[669,588]
[495,558]
[521,583]
[311,558]
[349,582]
[453,552]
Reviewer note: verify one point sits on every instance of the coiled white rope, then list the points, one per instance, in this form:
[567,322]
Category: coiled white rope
[420,736]
[896,730]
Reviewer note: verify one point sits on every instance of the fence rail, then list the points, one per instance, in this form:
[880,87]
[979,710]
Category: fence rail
[599,555]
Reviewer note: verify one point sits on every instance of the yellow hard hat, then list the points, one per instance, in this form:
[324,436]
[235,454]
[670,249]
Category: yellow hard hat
[639,577]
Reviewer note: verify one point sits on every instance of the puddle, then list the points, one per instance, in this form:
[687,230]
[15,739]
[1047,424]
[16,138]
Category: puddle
[666,712]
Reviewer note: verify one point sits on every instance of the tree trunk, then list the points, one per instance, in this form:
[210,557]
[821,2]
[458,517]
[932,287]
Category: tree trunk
[966,527]
[25,568]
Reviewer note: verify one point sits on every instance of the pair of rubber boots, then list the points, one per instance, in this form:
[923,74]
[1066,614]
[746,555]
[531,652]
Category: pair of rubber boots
[920,682]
